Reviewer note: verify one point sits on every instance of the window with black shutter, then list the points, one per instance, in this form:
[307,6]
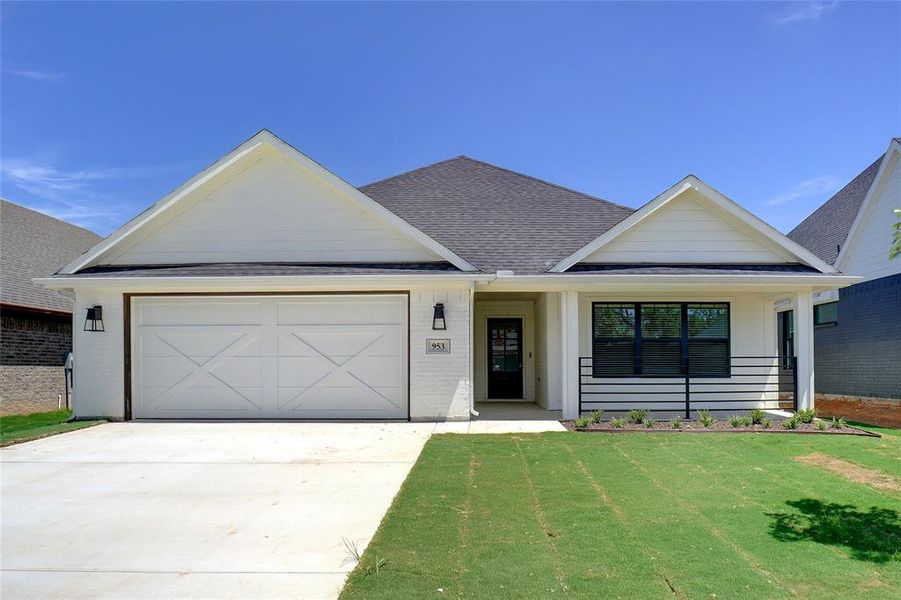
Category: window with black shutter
[660,339]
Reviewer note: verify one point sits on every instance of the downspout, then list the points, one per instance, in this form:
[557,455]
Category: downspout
[472,361]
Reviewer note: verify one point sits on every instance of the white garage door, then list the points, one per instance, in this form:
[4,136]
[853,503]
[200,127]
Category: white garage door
[269,357]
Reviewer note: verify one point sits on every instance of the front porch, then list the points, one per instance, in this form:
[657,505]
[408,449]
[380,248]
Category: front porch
[543,355]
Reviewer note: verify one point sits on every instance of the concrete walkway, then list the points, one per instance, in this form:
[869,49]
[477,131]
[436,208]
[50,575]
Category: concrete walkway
[506,417]
[197,510]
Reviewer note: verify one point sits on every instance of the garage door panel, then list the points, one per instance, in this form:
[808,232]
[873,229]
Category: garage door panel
[377,371]
[359,310]
[301,371]
[345,399]
[207,397]
[218,357]
[172,312]
[200,344]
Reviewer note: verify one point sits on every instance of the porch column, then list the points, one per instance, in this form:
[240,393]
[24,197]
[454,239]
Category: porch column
[804,348]
[569,330]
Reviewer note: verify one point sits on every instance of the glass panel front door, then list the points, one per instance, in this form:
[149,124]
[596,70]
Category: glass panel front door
[505,358]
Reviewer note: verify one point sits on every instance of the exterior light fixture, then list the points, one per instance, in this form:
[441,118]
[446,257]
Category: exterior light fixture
[94,320]
[438,322]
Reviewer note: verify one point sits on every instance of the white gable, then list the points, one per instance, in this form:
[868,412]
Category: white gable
[690,229]
[266,202]
[273,211]
[867,247]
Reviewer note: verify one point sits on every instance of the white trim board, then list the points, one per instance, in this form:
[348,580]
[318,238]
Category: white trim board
[720,201]
[245,151]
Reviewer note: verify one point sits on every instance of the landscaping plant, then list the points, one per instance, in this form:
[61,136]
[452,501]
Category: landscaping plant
[676,423]
[739,421]
[807,415]
[648,423]
[821,425]
[705,417]
[596,416]
[766,423]
[757,415]
[637,415]
[792,422]
[618,423]
[837,423]
[583,421]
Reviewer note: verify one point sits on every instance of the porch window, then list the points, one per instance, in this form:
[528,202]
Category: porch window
[660,339]
[825,314]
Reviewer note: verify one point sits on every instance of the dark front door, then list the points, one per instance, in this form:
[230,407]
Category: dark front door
[505,358]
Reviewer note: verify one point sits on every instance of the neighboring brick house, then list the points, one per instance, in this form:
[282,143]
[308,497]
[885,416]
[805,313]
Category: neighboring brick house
[857,330]
[35,323]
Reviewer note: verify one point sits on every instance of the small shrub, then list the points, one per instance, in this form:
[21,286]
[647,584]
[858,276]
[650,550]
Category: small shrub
[581,422]
[807,415]
[821,425]
[648,423]
[638,415]
[676,423]
[757,415]
[706,418]
[734,420]
[837,423]
[766,423]
[792,422]
[738,421]
[596,416]
[618,423]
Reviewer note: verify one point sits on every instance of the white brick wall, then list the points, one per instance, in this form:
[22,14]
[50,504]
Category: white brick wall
[440,387]
[99,357]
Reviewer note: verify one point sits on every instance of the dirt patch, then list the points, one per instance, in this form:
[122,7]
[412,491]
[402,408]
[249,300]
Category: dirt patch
[884,413]
[721,425]
[852,472]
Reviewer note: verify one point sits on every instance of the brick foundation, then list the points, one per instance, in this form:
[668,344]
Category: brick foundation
[27,389]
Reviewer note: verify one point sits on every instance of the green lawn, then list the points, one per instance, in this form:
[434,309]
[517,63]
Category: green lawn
[21,428]
[638,516]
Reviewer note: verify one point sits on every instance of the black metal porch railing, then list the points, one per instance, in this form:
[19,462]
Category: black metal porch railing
[753,381]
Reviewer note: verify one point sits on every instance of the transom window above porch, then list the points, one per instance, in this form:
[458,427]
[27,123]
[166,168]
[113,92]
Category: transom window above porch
[660,339]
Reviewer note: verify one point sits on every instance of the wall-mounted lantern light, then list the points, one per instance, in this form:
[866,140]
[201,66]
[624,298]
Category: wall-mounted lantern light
[438,322]
[94,320]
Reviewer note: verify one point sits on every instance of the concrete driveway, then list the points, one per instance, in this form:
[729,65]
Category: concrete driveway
[199,510]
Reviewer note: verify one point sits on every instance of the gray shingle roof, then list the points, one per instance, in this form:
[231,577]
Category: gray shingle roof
[35,245]
[267,269]
[495,218]
[692,269]
[828,226]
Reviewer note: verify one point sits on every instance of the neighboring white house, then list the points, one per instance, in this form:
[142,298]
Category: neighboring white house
[857,329]
[267,287]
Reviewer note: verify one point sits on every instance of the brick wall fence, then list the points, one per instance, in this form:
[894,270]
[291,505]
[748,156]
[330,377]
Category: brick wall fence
[860,355]
[33,348]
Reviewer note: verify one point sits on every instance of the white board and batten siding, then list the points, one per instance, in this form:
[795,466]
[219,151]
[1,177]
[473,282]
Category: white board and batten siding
[752,334]
[272,211]
[689,230]
[867,254]
[270,357]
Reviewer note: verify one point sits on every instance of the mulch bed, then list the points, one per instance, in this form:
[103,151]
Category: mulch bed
[719,426]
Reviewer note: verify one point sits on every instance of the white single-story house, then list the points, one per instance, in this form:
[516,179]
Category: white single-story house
[267,287]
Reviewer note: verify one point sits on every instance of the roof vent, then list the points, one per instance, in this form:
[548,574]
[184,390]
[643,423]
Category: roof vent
[505,273]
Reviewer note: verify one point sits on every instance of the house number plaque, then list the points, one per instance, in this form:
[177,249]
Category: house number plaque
[437,346]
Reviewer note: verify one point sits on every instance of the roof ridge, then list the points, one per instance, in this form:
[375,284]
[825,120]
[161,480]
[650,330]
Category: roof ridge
[428,166]
[545,182]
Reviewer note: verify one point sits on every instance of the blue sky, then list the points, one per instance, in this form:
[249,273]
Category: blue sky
[107,107]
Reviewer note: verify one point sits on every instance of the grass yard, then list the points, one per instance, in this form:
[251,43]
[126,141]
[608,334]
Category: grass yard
[21,428]
[642,516]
